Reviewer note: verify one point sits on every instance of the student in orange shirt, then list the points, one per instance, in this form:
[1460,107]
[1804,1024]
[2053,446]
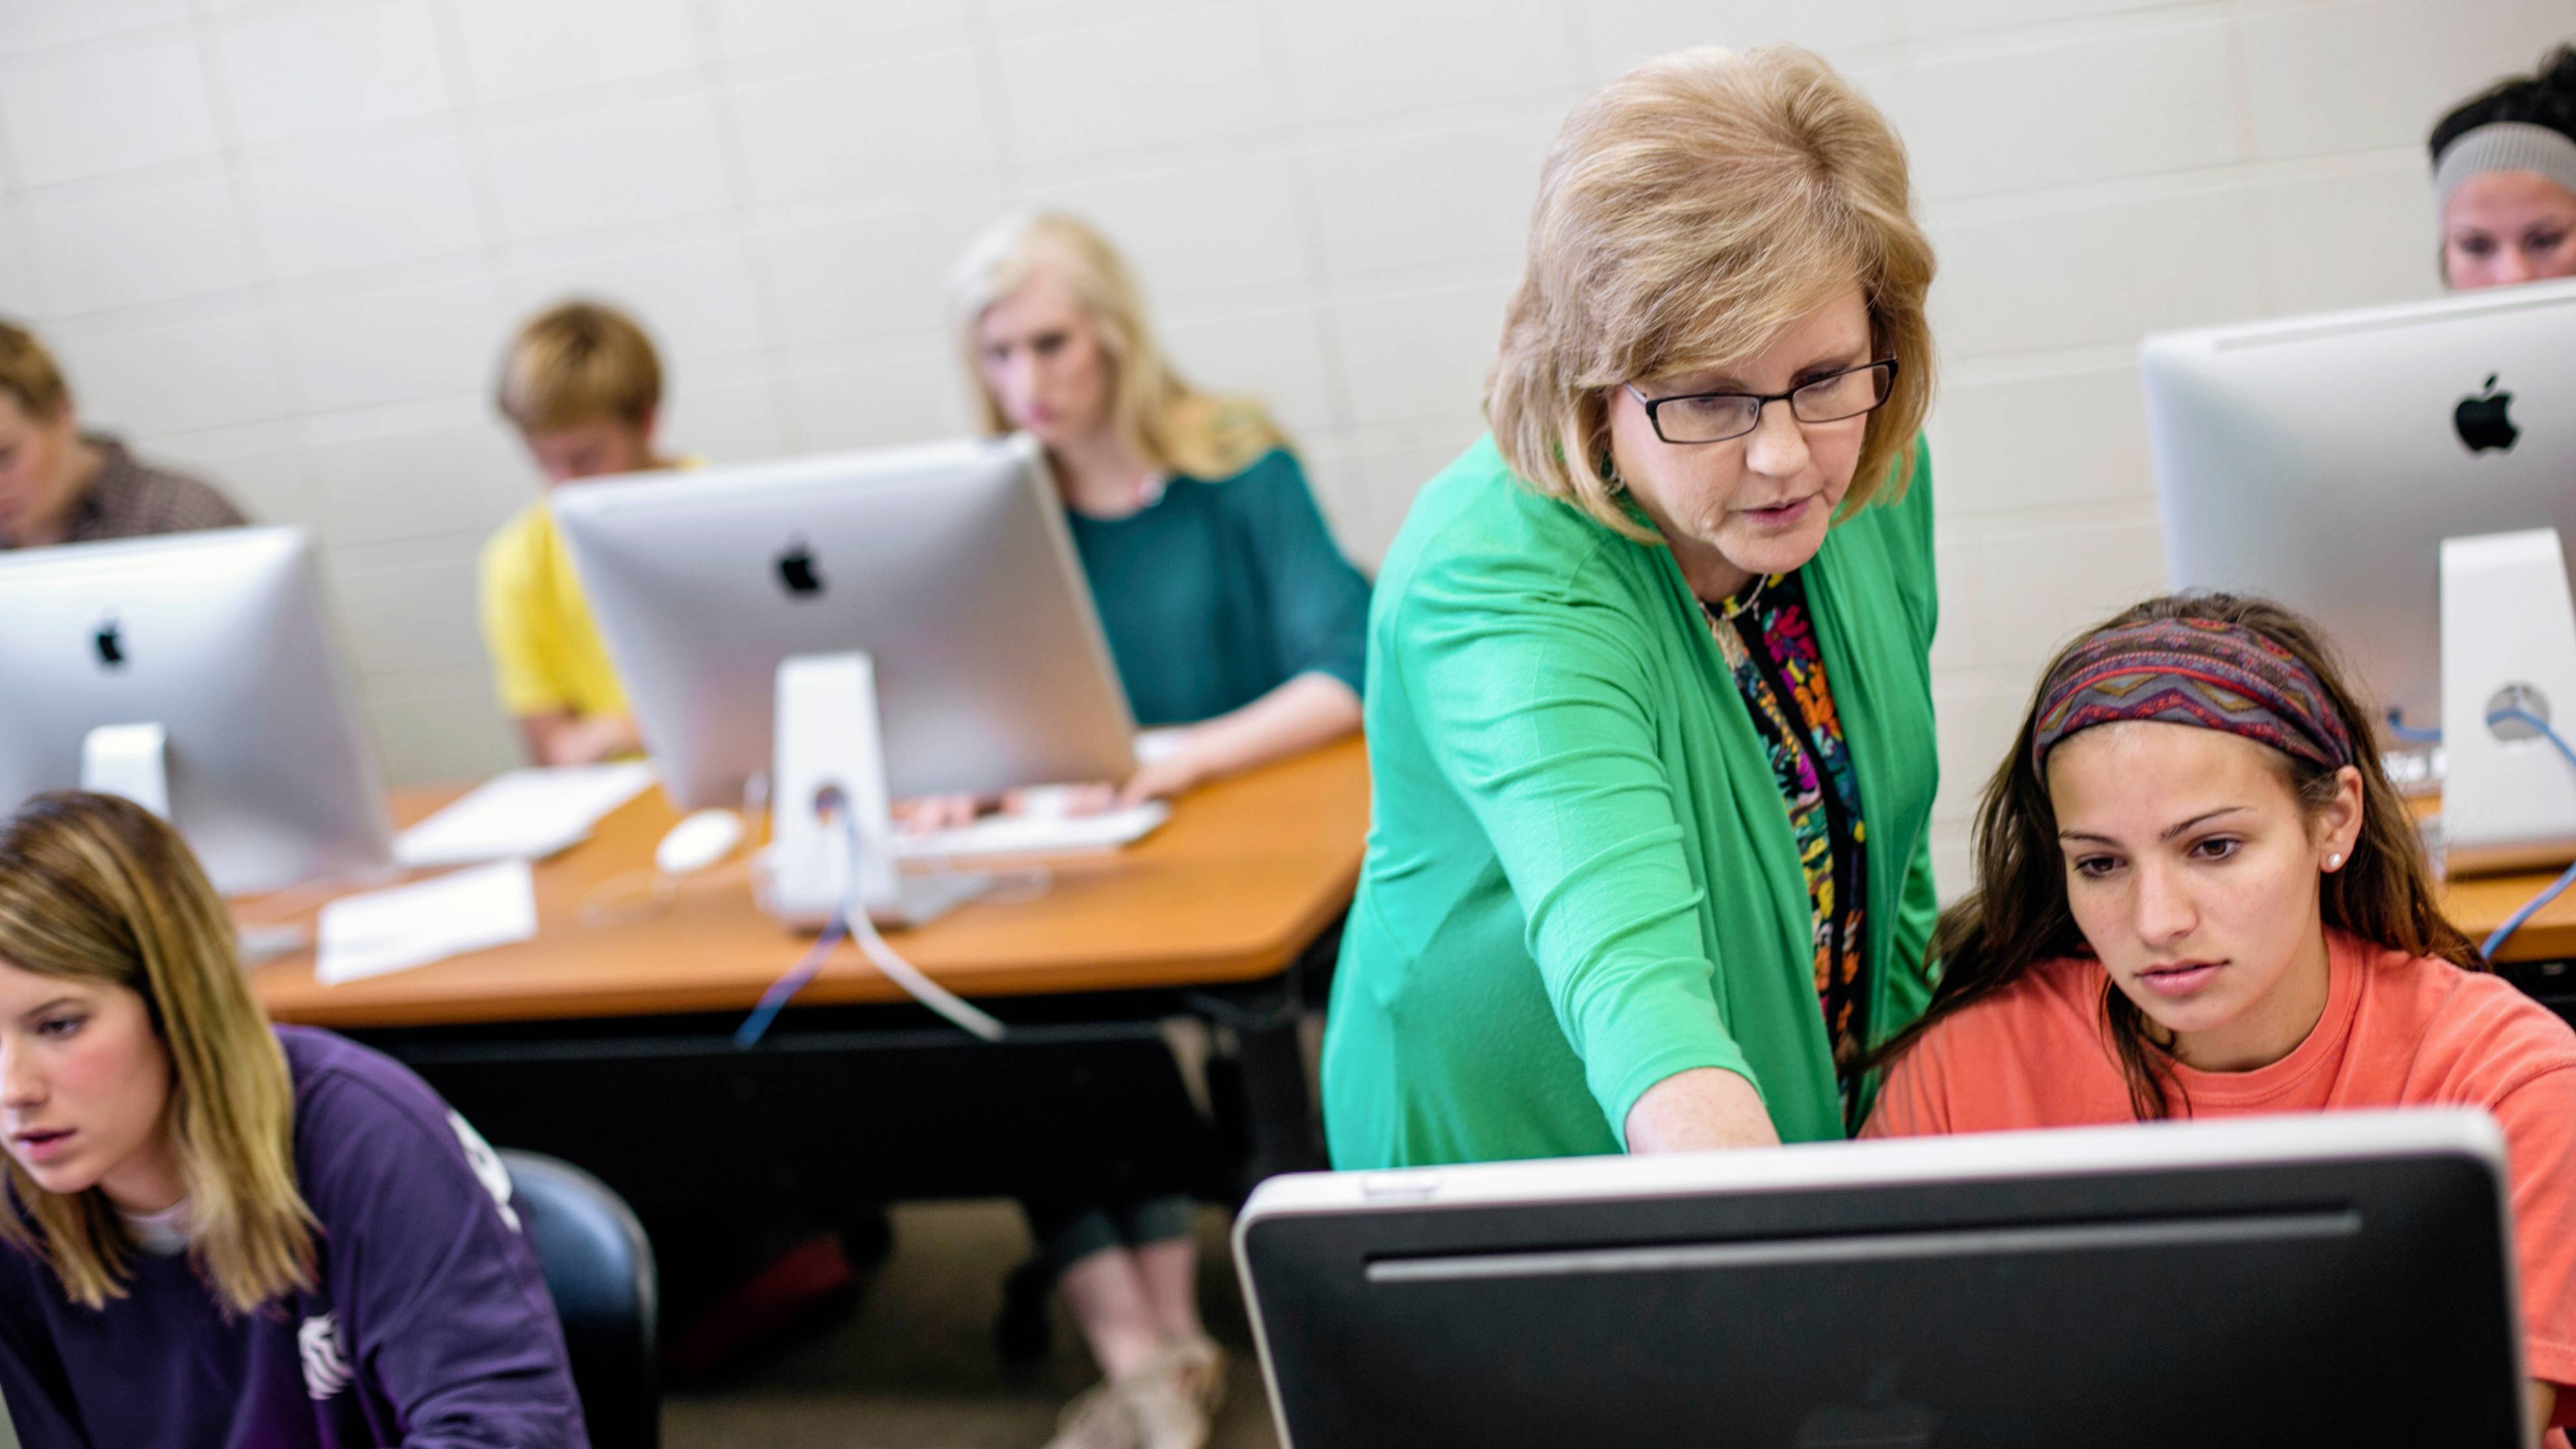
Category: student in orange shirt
[2202,897]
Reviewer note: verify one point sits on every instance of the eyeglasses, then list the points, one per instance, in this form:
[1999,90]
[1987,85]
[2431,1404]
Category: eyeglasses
[1714,417]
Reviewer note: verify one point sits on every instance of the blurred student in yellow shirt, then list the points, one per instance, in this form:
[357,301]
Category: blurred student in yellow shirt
[583,386]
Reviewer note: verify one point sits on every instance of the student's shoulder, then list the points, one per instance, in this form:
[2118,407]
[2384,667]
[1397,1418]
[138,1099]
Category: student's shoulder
[520,546]
[341,1086]
[2050,1007]
[1478,535]
[2480,1038]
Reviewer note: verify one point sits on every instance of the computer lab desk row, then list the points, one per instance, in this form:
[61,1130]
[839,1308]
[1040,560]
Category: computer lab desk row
[1152,999]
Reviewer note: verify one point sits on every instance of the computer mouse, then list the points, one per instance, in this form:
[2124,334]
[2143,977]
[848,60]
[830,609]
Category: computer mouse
[698,841]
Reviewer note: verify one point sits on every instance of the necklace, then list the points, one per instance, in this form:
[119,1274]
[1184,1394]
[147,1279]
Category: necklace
[1727,608]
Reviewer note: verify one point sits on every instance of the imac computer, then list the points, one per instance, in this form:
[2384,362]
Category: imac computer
[949,565]
[217,650]
[2321,460]
[2341,1278]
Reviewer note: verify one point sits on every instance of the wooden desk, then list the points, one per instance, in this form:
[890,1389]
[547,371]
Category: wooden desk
[2479,904]
[1244,875]
[1154,1000]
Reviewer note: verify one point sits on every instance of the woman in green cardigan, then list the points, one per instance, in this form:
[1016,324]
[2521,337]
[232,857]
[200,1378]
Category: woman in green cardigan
[1649,697]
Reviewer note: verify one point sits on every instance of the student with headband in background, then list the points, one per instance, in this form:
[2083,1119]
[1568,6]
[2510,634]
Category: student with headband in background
[2504,179]
[2200,896]
[218,1232]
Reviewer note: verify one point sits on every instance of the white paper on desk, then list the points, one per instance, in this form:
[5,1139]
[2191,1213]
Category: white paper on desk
[522,815]
[412,925]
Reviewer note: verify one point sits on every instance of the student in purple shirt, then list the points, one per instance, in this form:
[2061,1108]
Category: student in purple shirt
[219,1233]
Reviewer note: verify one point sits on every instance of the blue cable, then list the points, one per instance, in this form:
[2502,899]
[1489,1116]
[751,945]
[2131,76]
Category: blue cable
[784,989]
[2557,887]
[2408,733]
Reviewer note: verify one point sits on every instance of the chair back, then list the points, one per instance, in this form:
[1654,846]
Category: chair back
[599,1271]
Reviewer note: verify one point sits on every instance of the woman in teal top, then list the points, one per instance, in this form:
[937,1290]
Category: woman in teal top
[1237,627]
[1649,700]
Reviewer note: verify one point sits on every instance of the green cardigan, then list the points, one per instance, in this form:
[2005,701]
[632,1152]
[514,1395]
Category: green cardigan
[1580,878]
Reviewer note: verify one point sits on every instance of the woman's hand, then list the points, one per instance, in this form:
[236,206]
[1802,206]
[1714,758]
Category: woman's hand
[568,739]
[931,814]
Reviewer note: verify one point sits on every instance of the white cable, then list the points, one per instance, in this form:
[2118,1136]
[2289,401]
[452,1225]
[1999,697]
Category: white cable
[854,912]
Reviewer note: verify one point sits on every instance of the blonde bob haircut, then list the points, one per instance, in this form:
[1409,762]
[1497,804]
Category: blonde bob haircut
[1687,213]
[96,889]
[579,362]
[1166,422]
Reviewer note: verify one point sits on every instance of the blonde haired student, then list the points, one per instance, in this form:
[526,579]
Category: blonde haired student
[583,386]
[218,1232]
[1236,624]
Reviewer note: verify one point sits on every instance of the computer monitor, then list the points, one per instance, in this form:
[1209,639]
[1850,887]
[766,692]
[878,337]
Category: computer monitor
[2321,460]
[2337,1279]
[221,639]
[948,564]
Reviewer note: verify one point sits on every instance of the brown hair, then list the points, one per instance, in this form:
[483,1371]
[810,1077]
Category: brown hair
[1687,213]
[94,888]
[2018,915]
[579,362]
[1159,416]
[29,374]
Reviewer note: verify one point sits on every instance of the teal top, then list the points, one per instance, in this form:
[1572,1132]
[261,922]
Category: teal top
[1220,591]
[1580,875]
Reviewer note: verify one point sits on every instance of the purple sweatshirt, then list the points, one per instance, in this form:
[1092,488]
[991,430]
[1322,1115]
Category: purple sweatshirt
[430,1326]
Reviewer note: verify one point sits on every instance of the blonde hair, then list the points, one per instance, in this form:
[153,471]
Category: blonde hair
[1159,416]
[1687,213]
[96,889]
[579,362]
[29,373]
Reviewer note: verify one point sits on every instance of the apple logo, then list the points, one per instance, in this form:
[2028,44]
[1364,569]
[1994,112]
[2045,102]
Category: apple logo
[2482,422]
[111,649]
[1882,1420]
[796,571]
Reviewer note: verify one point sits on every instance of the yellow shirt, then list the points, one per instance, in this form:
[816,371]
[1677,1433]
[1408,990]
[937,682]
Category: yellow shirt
[547,656]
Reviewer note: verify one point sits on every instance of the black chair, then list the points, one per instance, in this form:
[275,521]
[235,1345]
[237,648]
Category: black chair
[599,1271]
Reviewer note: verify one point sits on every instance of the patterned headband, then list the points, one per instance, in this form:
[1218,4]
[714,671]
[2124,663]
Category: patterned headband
[2203,672]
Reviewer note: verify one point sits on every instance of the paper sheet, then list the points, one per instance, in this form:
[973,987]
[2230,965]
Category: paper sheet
[522,815]
[412,925]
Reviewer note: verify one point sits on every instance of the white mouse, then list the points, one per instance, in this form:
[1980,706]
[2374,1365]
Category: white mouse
[698,841]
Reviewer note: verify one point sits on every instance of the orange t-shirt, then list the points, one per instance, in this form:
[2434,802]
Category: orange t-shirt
[2397,1032]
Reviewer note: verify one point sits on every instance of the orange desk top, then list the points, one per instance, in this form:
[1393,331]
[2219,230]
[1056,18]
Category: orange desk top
[1244,875]
[2479,904]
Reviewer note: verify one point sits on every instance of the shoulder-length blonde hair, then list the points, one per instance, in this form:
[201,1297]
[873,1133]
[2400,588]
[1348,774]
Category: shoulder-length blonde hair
[1159,416]
[1687,213]
[96,889]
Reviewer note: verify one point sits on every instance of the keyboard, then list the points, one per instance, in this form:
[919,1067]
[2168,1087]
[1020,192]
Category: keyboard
[1013,835]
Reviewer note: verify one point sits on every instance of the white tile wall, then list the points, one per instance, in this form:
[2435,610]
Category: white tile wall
[322,66]
[596,170]
[755,29]
[514,49]
[1621,33]
[180,377]
[856,129]
[337,350]
[1193,77]
[1350,58]
[339,205]
[36,24]
[58,132]
[100,251]
[282,241]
